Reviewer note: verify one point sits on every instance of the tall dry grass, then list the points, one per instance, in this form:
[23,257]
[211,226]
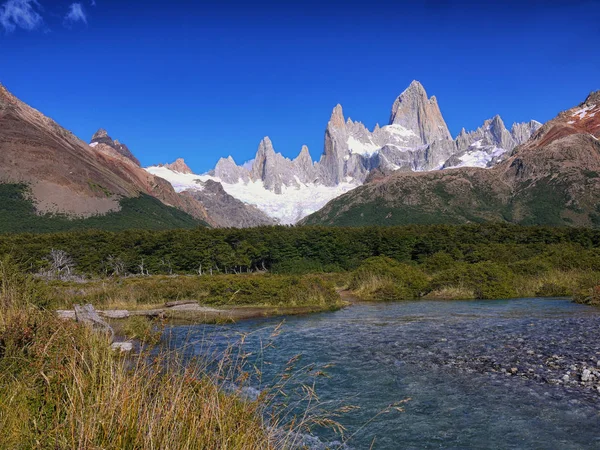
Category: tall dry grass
[62,387]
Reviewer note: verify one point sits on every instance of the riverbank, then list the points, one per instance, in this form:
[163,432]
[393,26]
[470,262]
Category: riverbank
[62,386]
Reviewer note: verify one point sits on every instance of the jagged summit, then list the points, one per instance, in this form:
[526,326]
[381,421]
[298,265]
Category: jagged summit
[179,165]
[337,117]
[415,112]
[594,97]
[101,137]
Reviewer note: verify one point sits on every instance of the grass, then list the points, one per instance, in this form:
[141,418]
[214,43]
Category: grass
[61,386]
[316,291]
[383,279]
[451,293]
[142,329]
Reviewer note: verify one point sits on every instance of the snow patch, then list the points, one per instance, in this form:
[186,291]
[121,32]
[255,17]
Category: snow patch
[581,113]
[362,148]
[399,130]
[93,144]
[478,157]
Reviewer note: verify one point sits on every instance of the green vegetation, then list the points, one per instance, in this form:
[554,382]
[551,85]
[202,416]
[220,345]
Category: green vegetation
[298,266]
[382,278]
[61,386]
[18,215]
[142,329]
[225,290]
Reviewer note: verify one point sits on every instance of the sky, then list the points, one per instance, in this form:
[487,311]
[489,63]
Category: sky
[201,80]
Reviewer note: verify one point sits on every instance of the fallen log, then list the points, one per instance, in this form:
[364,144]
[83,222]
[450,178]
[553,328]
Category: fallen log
[88,315]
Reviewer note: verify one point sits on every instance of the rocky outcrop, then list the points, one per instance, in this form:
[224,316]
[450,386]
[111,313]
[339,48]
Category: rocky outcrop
[224,210]
[229,172]
[101,137]
[179,165]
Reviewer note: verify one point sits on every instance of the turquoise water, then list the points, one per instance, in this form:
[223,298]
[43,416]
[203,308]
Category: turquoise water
[449,359]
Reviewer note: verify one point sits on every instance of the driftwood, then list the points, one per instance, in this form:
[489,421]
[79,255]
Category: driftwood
[180,302]
[89,316]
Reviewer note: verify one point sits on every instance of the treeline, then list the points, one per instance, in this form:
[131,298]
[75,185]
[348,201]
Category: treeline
[302,249]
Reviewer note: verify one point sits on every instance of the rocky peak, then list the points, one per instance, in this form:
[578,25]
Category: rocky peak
[101,137]
[229,172]
[6,96]
[337,118]
[593,98]
[178,165]
[413,111]
[304,167]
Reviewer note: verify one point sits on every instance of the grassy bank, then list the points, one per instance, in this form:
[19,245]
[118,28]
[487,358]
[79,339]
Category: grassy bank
[286,291]
[441,277]
[61,386]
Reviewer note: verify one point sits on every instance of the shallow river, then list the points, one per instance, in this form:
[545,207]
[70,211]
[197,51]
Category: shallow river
[480,374]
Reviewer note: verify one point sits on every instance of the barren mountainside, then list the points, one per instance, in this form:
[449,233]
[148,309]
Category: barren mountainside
[65,175]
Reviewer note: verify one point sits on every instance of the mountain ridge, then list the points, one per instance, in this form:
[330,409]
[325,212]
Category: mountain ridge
[553,178]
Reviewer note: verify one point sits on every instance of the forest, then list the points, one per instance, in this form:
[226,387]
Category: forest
[297,250]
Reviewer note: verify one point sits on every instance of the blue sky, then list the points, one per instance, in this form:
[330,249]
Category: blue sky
[201,80]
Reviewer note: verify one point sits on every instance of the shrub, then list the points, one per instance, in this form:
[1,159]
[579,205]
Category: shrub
[487,280]
[383,278]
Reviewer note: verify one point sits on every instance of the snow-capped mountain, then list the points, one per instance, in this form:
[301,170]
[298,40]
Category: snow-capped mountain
[416,139]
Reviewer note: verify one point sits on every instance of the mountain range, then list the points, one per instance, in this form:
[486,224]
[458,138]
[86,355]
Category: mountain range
[416,139]
[408,171]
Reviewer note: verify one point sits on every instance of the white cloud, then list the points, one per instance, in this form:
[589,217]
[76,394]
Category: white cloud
[20,14]
[76,14]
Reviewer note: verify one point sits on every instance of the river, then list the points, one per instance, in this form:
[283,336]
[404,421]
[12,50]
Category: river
[493,374]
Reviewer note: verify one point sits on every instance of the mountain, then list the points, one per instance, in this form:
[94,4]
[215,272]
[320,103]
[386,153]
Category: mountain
[49,171]
[416,139]
[553,178]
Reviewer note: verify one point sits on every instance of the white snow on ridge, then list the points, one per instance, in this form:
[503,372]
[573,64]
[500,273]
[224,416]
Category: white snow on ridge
[399,130]
[361,148]
[581,113]
[288,207]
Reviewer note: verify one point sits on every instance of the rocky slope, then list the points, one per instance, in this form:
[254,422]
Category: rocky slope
[225,211]
[416,139]
[67,176]
[553,178]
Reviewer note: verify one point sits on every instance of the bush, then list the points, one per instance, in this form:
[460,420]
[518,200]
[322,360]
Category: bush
[533,267]
[487,280]
[383,278]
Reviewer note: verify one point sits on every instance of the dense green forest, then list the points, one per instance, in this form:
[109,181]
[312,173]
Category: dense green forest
[18,215]
[299,250]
